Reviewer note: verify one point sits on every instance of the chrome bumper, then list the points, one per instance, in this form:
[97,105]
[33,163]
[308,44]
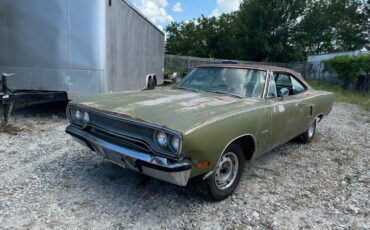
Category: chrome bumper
[158,167]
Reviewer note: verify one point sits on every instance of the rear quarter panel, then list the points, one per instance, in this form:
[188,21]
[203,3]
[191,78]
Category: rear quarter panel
[322,101]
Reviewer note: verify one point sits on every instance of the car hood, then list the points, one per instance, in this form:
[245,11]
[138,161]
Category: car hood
[175,109]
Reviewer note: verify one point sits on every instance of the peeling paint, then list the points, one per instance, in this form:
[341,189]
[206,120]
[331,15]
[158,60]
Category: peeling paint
[203,102]
[168,99]
[279,108]
[164,108]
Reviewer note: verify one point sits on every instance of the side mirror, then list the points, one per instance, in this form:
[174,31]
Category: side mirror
[283,93]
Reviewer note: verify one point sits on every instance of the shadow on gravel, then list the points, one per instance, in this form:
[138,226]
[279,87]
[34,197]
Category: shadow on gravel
[111,183]
[107,183]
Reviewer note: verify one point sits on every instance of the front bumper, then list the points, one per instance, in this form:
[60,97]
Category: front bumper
[158,167]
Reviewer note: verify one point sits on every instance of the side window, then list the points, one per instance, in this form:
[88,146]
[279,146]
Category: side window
[297,86]
[288,81]
[283,80]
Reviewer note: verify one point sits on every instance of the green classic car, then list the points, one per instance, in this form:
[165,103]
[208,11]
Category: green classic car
[217,118]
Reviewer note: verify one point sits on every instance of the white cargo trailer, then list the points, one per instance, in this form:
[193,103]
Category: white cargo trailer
[80,47]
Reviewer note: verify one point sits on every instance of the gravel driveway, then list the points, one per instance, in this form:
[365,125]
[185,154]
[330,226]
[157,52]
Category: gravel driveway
[47,180]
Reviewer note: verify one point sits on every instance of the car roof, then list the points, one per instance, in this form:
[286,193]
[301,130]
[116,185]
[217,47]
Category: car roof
[258,67]
[251,66]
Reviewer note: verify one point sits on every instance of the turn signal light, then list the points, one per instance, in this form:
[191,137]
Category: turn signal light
[203,164]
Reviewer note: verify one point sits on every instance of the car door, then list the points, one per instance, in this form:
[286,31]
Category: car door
[285,113]
[305,107]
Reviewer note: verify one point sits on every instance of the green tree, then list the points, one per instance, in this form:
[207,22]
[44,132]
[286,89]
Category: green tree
[349,20]
[314,33]
[367,24]
[265,29]
[274,30]
[345,66]
[203,37]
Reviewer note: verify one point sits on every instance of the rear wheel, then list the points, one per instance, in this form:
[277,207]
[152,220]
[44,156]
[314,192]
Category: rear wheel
[223,182]
[308,136]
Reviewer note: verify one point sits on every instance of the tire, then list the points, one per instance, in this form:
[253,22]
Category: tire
[308,136]
[151,84]
[223,182]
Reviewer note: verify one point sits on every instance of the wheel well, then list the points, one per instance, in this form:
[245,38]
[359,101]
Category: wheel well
[248,146]
[321,116]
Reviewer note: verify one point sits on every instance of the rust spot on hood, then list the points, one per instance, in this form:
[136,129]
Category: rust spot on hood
[168,99]
[203,102]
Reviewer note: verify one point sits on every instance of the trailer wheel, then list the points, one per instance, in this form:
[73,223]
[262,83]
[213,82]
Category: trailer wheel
[150,82]
[155,80]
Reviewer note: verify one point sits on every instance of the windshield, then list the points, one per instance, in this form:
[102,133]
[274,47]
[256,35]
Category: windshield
[231,81]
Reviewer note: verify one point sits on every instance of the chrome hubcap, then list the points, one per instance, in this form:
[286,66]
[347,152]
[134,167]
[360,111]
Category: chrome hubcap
[311,130]
[226,171]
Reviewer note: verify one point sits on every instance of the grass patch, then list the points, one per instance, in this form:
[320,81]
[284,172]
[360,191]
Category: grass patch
[361,99]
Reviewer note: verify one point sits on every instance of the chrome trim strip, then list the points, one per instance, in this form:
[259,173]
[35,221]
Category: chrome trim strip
[267,84]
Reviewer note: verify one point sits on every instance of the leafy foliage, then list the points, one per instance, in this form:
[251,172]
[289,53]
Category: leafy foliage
[274,30]
[265,27]
[349,68]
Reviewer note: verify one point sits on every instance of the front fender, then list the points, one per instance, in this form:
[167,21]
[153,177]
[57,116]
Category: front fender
[209,142]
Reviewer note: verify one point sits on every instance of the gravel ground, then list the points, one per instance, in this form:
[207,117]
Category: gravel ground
[49,181]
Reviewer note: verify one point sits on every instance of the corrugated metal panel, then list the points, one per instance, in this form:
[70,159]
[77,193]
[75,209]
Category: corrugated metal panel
[65,45]
[135,48]
[78,83]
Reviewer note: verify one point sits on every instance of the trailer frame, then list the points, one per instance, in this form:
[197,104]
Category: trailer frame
[11,99]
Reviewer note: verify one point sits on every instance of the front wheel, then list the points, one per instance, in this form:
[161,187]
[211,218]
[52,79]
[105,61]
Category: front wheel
[308,136]
[227,175]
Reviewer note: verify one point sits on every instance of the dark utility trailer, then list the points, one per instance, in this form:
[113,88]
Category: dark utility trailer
[68,49]
[19,98]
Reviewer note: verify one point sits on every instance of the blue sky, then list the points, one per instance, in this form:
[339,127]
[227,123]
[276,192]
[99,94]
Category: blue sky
[162,12]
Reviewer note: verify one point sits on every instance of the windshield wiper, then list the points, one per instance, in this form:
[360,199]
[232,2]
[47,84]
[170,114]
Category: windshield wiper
[195,90]
[225,93]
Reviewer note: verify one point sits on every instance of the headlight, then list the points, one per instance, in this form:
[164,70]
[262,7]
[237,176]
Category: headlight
[175,143]
[162,139]
[86,117]
[78,115]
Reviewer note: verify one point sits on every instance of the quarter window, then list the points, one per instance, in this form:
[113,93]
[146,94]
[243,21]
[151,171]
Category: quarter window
[297,86]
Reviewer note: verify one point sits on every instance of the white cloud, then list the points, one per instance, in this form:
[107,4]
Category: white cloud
[154,10]
[225,6]
[177,7]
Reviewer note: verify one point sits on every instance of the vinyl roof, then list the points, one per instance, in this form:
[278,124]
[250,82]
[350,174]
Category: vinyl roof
[252,66]
[259,67]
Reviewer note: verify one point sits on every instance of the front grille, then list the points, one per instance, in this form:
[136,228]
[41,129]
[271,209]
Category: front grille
[120,126]
[124,131]
[121,140]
